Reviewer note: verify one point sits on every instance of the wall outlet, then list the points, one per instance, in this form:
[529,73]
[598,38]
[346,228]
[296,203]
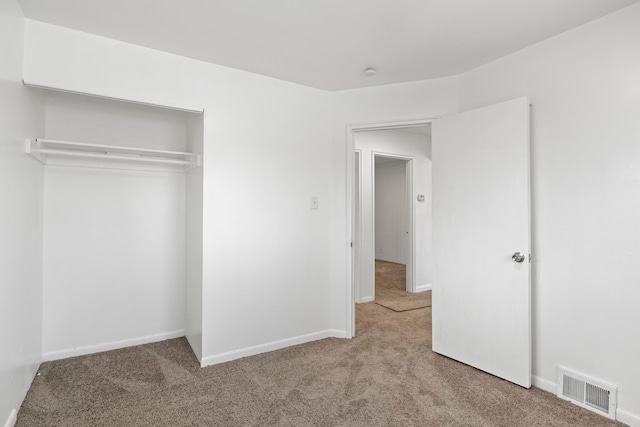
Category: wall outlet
[314,202]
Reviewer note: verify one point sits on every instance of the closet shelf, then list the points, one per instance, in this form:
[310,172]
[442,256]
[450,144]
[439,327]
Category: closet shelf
[50,151]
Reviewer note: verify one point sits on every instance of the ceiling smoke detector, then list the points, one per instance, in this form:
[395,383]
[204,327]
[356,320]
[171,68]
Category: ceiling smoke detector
[370,72]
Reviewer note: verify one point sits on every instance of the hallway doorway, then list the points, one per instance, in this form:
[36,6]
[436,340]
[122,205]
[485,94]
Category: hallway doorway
[391,207]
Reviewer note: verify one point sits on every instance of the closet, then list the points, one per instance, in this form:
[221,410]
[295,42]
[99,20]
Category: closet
[122,223]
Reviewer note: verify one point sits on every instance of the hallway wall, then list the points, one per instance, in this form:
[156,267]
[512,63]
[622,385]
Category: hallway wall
[391,222]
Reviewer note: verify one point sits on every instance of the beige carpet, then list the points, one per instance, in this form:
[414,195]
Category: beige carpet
[386,376]
[391,288]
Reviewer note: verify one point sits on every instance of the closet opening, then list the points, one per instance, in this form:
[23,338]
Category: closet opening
[122,226]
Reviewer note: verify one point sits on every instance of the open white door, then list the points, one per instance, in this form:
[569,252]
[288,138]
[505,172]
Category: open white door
[481,239]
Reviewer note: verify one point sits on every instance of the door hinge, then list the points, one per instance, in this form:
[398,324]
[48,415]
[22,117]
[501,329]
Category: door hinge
[351,244]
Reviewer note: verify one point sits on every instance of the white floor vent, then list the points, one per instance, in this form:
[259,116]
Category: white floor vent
[592,394]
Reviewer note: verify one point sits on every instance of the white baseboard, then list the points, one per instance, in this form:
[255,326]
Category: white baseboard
[90,349]
[263,348]
[365,299]
[11,421]
[338,333]
[546,385]
[424,288]
[628,418]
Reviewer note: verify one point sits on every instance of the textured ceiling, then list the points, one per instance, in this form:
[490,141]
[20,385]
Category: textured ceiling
[328,43]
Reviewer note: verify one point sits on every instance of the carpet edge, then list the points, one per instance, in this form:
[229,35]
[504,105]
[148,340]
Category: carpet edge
[114,345]
[266,347]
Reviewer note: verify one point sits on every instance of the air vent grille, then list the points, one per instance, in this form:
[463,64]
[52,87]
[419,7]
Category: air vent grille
[573,388]
[587,392]
[597,397]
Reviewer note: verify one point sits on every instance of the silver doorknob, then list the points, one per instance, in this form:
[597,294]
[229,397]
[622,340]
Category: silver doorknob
[518,257]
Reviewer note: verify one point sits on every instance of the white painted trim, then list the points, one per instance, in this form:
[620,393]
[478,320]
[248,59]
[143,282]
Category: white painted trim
[411,228]
[90,349]
[13,417]
[391,125]
[356,258]
[546,385]
[350,291]
[338,333]
[628,418]
[197,110]
[264,348]
[372,231]
[366,299]
[424,288]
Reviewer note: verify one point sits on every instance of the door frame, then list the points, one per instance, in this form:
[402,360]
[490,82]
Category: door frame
[357,223]
[350,290]
[410,241]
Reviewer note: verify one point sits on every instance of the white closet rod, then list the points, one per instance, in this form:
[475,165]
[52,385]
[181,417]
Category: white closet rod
[116,148]
[112,156]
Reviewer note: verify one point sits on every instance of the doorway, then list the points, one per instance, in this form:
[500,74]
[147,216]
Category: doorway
[406,148]
[482,211]
[392,208]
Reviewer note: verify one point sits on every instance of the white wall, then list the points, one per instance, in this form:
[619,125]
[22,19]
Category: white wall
[114,240]
[194,233]
[94,120]
[21,116]
[418,149]
[383,104]
[585,89]
[113,259]
[391,211]
[266,143]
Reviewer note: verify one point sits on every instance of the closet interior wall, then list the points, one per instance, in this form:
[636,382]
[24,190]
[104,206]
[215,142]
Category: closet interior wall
[194,236]
[115,236]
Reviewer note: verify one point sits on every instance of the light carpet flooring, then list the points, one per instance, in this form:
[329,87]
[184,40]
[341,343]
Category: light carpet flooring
[391,288]
[386,376]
